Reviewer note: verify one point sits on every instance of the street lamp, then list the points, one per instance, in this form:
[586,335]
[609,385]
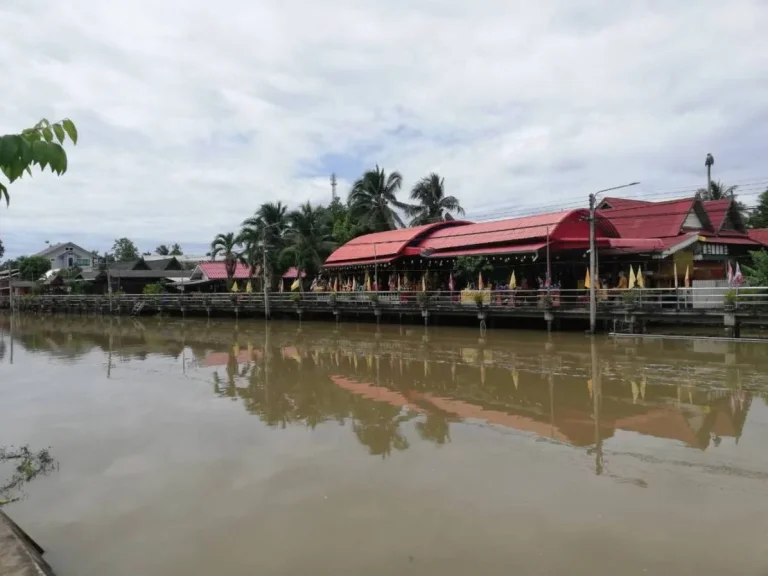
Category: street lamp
[593,253]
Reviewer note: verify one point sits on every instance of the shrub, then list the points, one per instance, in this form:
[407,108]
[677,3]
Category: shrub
[154,289]
[373,297]
[295,297]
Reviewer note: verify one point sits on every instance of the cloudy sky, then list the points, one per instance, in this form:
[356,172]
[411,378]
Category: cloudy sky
[191,113]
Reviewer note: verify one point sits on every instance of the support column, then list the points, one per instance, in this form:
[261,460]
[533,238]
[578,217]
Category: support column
[732,325]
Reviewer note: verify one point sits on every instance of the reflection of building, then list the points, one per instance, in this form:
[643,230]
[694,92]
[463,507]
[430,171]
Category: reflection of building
[562,409]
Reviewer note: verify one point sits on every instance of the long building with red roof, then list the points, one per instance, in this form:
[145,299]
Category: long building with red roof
[686,235]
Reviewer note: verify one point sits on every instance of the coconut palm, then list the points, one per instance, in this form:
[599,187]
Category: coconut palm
[309,240]
[718,190]
[162,250]
[227,246]
[373,200]
[433,205]
[265,230]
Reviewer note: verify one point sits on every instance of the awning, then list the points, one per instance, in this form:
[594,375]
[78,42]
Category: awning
[492,251]
[350,263]
[733,241]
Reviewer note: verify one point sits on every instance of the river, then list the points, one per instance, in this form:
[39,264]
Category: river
[202,448]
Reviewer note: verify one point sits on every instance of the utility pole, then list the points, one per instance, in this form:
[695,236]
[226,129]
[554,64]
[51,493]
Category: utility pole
[333,186]
[593,253]
[592,295]
[264,272]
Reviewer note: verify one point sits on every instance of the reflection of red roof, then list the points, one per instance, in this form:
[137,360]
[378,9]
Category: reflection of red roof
[222,358]
[650,219]
[383,244]
[218,271]
[759,235]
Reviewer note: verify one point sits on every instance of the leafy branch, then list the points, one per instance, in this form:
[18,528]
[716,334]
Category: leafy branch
[29,465]
[40,146]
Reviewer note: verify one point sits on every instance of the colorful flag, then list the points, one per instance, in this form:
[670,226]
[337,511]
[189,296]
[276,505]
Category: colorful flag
[451,285]
[480,281]
[424,283]
[354,284]
[738,277]
[730,274]
[398,283]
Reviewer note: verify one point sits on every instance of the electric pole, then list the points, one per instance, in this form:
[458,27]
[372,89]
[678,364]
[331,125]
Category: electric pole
[264,272]
[333,186]
[709,162]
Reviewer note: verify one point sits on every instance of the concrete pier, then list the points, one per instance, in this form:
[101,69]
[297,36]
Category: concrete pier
[19,554]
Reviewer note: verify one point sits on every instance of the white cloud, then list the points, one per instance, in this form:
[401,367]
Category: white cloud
[192,113]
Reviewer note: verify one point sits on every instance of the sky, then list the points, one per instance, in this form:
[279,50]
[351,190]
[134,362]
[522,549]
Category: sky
[192,113]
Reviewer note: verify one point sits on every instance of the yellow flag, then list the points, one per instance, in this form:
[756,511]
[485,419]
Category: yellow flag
[248,287]
[367,283]
[587,281]
[295,285]
[674,272]
[640,278]
[480,281]
[513,281]
[687,278]
[632,278]
[234,287]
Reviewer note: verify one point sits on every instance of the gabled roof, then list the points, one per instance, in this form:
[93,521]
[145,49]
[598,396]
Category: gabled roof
[571,223]
[163,264]
[218,271]
[717,210]
[611,203]
[759,235]
[384,244]
[60,246]
[655,219]
[137,264]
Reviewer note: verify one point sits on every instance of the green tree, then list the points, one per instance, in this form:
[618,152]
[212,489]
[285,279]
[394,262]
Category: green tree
[469,267]
[717,191]
[757,273]
[759,217]
[2,248]
[265,230]
[162,250]
[226,245]
[373,200]
[35,146]
[124,250]
[344,227]
[176,250]
[32,268]
[433,205]
[309,239]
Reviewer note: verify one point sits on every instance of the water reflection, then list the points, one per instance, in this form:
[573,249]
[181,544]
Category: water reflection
[399,385]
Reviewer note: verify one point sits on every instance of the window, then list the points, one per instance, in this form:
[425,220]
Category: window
[83,262]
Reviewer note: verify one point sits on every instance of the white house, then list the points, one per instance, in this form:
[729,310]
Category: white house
[68,255]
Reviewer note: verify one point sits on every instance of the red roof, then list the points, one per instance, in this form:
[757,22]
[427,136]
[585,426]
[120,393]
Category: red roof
[293,272]
[650,219]
[717,210]
[572,223]
[382,244]
[618,203]
[733,240]
[218,271]
[759,235]
[513,249]
[357,262]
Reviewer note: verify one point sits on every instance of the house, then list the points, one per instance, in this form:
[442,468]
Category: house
[68,255]
[212,277]
[133,276]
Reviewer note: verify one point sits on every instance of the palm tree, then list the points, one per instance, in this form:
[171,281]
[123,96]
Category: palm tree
[718,190]
[373,197]
[176,250]
[226,245]
[162,250]
[265,230]
[309,240]
[433,205]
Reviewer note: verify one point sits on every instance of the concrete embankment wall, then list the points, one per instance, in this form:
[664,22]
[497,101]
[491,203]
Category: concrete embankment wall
[19,554]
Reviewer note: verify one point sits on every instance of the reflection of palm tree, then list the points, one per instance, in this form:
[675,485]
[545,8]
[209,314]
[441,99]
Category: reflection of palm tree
[435,428]
[377,426]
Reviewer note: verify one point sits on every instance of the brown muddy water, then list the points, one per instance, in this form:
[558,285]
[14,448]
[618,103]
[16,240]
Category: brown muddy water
[197,449]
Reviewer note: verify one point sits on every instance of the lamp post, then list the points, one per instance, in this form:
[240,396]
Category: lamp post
[593,253]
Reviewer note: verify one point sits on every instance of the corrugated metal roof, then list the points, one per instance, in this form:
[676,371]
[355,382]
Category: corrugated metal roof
[759,235]
[650,219]
[218,271]
[293,272]
[383,244]
[358,262]
[717,210]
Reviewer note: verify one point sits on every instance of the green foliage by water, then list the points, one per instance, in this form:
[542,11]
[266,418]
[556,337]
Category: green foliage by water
[154,289]
[757,273]
[26,465]
[32,268]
